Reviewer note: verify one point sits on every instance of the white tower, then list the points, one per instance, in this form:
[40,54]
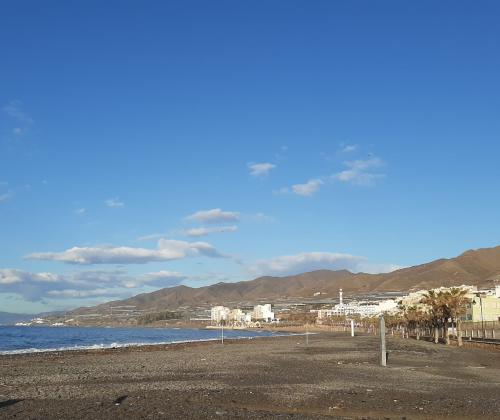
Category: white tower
[340,295]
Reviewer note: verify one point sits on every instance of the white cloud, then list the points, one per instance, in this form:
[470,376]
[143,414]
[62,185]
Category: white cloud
[204,231]
[214,216]
[5,196]
[79,294]
[80,211]
[11,276]
[114,202]
[284,190]
[260,169]
[308,189]
[159,278]
[151,237]
[81,284]
[310,261]
[14,110]
[36,286]
[22,120]
[167,250]
[359,171]
[349,148]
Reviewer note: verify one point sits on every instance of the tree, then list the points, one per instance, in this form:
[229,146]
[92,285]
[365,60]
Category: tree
[415,317]
[457,302]
[444,306]
[436,310]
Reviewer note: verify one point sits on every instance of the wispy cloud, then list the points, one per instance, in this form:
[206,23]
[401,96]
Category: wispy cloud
[310,261]
[308,189]
[214,216]
[349,148]
[81,284]
[80,211]
[114,202]
[12,276]
[167,250]
[22,121]
[160,279]
[5,196]
[204,231]
[360,172]
[80,294]
[260,169]
[152,237]
[281,154]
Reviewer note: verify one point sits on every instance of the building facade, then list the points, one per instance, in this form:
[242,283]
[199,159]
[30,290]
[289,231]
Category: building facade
[484,306]
[263,313]
[219,314]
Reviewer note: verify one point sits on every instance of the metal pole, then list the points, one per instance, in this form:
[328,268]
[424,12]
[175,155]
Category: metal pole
[383,361]
[222,335]
[307,336]
[352,327]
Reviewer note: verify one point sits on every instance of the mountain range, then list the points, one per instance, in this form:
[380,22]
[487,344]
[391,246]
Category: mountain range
[475,267]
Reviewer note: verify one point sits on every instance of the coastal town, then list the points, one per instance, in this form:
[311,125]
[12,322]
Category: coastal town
[474,308]
[414,378]
[478,313]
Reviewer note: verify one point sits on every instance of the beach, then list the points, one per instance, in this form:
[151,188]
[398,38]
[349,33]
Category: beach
[334,376]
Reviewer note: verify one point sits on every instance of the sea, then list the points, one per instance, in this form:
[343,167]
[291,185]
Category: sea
[14,340]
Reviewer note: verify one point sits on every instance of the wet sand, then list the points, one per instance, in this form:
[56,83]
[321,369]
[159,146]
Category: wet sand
[335,376]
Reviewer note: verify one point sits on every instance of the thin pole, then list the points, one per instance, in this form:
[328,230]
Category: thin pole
[307,336]
[383,360]
[222,335]
[352,327]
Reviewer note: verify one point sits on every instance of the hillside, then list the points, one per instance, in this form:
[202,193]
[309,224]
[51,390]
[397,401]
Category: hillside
[476,267]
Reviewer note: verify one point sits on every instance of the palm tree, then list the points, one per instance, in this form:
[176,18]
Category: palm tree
[414,318]
[432,300]
[444,306]
[457,302]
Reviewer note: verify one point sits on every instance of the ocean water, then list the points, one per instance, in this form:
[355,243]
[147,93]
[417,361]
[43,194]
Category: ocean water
[37,339]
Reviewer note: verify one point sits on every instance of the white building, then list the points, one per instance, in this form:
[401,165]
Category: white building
[263,312]
[219,313]
[237,316]
[362,308]
[389,305]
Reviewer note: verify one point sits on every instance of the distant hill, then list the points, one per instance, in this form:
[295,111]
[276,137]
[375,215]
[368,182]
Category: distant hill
[476,267]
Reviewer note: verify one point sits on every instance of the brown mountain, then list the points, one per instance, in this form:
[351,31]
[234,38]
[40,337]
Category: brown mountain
[476,267]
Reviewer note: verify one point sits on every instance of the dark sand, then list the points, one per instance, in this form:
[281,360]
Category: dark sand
[334,377]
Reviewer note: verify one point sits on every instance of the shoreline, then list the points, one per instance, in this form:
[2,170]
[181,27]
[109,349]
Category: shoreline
[131,346]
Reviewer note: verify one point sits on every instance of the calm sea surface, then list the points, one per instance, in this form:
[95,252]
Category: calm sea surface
[35,339]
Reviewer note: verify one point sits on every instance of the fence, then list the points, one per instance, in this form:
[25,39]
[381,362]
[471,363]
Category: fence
[485,330]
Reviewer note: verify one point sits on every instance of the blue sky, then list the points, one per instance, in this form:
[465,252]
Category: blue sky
[149,144]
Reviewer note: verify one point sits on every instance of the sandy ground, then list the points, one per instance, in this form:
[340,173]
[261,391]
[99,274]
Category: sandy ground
[335,376]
